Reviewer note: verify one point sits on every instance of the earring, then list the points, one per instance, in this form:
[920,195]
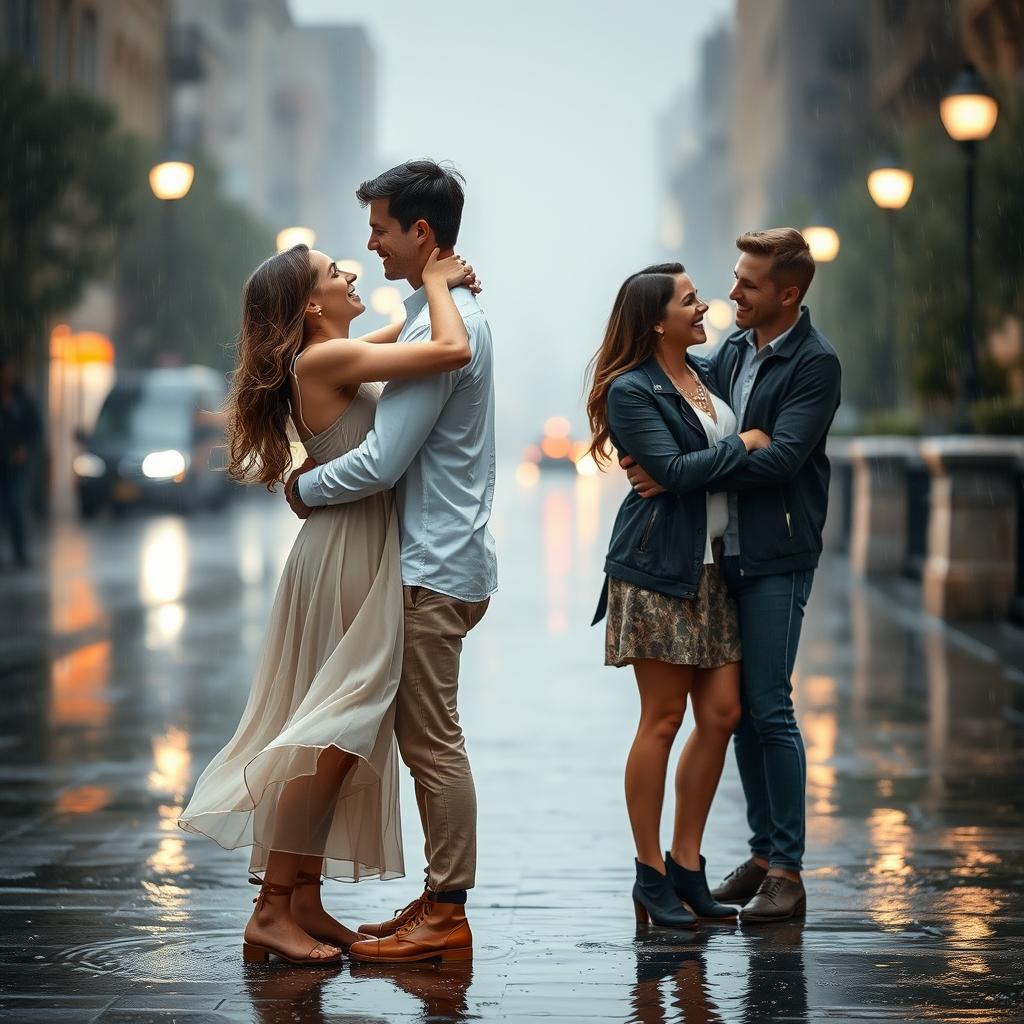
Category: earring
[319,312]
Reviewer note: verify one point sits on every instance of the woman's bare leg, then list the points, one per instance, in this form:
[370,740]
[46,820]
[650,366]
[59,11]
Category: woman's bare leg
[306,803]
[715,695]
[663,690]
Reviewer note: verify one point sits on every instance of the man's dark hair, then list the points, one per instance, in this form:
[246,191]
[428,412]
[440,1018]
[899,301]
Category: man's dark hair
[421,190]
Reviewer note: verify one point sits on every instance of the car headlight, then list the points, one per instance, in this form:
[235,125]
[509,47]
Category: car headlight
[89,465]
[164,465]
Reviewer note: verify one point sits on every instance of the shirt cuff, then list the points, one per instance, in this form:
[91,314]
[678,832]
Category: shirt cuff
[309,489]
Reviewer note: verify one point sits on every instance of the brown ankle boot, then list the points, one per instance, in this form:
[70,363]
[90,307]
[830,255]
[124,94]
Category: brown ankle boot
[439,931]
[402,917]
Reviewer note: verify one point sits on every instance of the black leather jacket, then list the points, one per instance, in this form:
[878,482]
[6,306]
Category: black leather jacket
[658,543]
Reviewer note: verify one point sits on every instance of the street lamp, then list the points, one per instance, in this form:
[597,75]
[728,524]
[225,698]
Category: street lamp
[890,185]
[171,179]
[289,237]
[823,242]
[969,112]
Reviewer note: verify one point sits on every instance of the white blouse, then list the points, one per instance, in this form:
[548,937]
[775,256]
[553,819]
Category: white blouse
[717,504]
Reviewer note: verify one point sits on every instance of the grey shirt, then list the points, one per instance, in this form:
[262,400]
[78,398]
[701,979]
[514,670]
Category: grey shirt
[750,361]
[433,441]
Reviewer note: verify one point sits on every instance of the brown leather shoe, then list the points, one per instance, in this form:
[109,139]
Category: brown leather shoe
[439,932]
[402,917]
[739,886]
[778,899]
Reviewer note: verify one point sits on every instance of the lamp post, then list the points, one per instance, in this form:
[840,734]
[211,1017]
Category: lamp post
[969,112]
[170,181]
[890,185]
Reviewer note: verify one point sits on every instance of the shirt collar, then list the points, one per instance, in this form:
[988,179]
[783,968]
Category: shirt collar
[414,304]
[772,345]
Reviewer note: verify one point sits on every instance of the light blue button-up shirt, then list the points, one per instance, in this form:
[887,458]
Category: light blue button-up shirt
[433,441]
[750,361]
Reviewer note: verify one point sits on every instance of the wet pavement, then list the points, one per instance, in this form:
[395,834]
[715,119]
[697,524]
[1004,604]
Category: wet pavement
[126,656]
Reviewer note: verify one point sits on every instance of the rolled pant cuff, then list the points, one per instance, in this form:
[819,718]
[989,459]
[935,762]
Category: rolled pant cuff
[785,865]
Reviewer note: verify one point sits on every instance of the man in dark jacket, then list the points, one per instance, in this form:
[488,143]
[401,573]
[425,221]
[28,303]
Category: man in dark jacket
[783,377]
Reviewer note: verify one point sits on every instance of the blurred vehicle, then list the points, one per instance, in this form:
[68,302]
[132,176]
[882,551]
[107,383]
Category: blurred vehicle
[154,443]
[555,450]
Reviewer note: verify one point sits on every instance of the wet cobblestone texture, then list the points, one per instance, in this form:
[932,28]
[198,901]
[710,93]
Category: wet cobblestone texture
[126,655]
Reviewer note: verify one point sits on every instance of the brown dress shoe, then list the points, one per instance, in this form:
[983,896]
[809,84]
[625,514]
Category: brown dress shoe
[739,886]
[778,899]
[402,917]
[439,932]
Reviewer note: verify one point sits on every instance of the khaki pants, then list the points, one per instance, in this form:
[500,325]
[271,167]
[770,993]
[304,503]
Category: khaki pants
[429,737]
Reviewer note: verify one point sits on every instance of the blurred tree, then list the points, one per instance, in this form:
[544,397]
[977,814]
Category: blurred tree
[181,270]
[66,188]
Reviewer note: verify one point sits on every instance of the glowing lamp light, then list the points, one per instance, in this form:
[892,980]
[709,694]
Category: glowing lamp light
[171,179]
[532,453]
[823,242]
[527,474]
[556,447]
[81,348]
[350,267]
[719,314]
[890,186]
[969,110]
[385,300]
[557,426]
[586,466]
[290,237]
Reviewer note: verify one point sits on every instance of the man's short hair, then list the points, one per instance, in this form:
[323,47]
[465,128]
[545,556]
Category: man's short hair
[792,262]
[421,190]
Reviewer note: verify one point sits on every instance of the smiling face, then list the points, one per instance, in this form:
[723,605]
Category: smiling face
[683,322]
[402,253]
[335,291]
[759,300]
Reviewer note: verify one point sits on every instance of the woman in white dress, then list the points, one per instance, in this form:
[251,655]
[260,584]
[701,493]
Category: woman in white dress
[310,778]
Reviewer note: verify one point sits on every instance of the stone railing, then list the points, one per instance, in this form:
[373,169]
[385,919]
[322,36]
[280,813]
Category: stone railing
[945,510]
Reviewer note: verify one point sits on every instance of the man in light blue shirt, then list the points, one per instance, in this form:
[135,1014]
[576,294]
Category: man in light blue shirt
[433,441]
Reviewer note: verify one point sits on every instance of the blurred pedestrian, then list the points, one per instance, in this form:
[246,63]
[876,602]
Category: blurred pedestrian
[670,615]
[781,373]
[433,440]
[310,778]
[20,436]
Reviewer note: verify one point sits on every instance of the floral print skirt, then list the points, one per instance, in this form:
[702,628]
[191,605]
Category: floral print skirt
[703,630]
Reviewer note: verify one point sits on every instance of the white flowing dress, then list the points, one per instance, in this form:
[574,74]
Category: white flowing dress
[326,677]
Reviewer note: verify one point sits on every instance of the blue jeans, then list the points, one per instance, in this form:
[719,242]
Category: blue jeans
[769,748]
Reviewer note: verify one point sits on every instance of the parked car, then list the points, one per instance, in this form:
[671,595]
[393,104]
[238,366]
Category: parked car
[154,443]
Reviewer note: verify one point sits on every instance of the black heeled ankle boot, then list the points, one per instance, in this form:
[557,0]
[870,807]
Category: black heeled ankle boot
[655,900]
[692,888]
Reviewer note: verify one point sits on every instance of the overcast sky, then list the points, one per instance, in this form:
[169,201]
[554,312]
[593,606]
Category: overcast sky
[550,109]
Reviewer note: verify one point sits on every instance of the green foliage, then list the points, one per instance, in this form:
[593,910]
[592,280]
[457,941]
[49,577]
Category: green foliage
[998,416]
[181,271]
[892,422]
[67,187]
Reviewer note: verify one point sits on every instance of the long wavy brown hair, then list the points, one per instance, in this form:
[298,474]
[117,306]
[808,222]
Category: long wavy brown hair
[274,302]
[629,340]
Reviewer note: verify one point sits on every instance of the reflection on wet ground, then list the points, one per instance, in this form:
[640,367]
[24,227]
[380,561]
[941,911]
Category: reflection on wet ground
[126,662]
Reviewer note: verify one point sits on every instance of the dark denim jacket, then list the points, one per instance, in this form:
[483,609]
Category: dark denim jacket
[658,543]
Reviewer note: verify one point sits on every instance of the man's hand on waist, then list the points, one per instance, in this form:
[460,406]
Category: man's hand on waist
[291,490]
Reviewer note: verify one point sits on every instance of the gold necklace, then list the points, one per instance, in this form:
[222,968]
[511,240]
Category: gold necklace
[700,396]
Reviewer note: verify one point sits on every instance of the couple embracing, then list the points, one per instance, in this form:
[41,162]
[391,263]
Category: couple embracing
[393,566]
[710,563]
